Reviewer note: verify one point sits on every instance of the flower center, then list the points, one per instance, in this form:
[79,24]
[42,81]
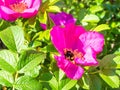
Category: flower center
[18,7]
[71,55]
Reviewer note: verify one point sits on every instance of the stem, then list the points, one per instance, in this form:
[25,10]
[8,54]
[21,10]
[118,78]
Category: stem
[48,21]
[94,72]
[1,22]
[13,88]
[16,76]
[4,88]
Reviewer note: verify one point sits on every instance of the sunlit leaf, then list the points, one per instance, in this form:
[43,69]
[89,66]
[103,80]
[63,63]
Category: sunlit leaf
[91,18]
[117,61]
[52,2]
[53,83]
[29,60]
[102,27]
[34,72]
[110,78]
[118,72]
[8,61]
[43,17]
[49,48]
[27,83]
[67,84]
[6,79]
[108,66]
[49,79]
[84,82]
[61,74]
[96,8]
[45,35]
[53,9]
[99,1]
[13,38]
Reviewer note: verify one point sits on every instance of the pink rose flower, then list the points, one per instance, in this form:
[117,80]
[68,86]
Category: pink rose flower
[77,48]
[60,18]
[10,10]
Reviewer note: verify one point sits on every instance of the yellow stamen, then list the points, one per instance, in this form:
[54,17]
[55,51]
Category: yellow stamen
[71,55]
[18,7]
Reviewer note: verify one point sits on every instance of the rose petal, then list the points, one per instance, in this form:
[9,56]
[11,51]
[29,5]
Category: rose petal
[8,2]
[71,70]
[66,37]
[43,26]
[92,39]
[58,38]
[1,2]
[62,18]
[8,14]
[72,33]
[33,4]
[29,13]
[32,10]
[29,3]
[89,58]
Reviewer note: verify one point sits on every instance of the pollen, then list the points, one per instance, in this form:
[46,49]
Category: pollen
[71,55]
[19,7]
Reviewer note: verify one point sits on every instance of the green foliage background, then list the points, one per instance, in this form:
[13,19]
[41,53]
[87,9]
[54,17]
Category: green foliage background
[27,54]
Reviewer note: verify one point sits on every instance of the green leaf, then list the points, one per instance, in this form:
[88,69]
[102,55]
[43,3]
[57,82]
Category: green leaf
[50,79]
[45,35]
[34,72]
[95,82]
[29,60]
[8,61]
[107,62]
[118,72]
[53,9]
[52,2]
[117,61]
[108,66]
[61,74]
[91,18]
[102,27]
[6,79]
[81,14]
[13,38]
[27,83]
[43,17]
[49,48]
[84,82]
[96,8]
[46,76]
[1,87]
[53,83]
[110,77]
[4,24]
[99,1]
[67,84]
